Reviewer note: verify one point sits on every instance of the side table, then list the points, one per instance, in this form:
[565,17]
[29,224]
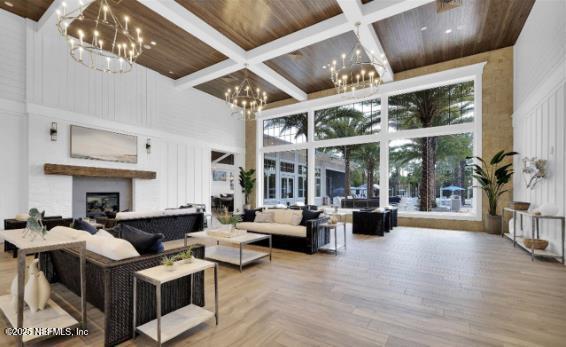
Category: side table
[163,329]
[53,316]
[329,246]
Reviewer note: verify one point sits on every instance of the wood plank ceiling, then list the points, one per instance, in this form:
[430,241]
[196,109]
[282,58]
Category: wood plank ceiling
[176,53]
[422,36]
[32,9]
[251,23]
[412,39]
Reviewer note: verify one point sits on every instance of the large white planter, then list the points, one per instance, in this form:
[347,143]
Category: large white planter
[37,290]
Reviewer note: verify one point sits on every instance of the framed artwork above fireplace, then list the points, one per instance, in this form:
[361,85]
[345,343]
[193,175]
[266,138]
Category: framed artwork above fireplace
[96,144]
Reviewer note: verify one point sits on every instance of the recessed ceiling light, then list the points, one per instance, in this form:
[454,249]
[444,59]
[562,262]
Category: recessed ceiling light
[382,55]
[424,28]
[171,72]
[9,4]
[324,66]
[448,31]
[153,43]
[146,46]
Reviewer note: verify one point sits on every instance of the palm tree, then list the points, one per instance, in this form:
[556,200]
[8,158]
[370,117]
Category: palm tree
[368,154]
[424,109]
[338,122]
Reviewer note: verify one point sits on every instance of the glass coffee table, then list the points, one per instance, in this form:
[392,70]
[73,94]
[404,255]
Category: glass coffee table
[233,255]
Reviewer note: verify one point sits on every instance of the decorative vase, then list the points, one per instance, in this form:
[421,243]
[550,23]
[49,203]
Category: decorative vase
[37,290]
[188,261]
[492,224]
[169,268]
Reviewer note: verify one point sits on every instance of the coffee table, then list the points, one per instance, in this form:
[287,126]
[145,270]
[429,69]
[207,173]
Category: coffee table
[232,255]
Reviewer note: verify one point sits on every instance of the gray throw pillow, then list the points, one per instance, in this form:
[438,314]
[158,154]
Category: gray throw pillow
[263,217]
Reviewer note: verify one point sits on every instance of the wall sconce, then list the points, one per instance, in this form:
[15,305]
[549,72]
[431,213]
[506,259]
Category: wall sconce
[148,146]
[53,131]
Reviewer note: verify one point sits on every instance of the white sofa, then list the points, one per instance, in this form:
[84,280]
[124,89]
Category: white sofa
[289,234]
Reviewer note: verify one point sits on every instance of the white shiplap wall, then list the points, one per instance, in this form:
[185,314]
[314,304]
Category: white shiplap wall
[40,83]
[539,117]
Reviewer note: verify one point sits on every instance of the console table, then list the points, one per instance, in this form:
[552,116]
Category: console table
[163,329]
[535,232]
[53,316]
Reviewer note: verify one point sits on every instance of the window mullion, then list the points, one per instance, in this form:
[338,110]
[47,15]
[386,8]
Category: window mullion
[384,154]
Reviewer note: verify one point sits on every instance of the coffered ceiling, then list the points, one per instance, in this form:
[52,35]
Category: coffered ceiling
[284,44]
[32,9]
[251,23]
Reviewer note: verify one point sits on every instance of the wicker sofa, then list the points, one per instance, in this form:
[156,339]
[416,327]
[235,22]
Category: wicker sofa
[306,238]
[173,224]
[110,283]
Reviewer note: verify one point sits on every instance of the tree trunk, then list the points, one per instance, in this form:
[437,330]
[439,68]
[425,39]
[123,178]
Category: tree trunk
[428,177]
[347,171]
[370,168]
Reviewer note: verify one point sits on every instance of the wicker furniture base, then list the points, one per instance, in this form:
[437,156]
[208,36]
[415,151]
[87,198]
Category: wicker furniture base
[110,283]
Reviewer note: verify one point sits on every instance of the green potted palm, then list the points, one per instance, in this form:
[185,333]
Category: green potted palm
[247,182]
[492,177]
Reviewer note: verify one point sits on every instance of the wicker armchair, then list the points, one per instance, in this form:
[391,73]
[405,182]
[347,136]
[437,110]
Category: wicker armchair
[110,283]
[370,222]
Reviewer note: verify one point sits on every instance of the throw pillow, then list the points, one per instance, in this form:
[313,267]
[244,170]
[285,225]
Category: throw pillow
[142,241]
[103,233]
[157,247]
[22,217]
[113,248]
[296,217]
[70,233]
[249,215]
[309,215]
[80,224]
[263,217]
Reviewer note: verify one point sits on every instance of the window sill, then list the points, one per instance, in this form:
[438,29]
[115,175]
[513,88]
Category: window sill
[442,215]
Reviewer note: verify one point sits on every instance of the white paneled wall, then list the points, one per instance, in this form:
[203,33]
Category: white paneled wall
[40,83]
[539,116]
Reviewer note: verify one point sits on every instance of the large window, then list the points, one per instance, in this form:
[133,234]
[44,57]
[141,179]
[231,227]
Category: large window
[424,136]
[285,130]
[350,174]
[361,118]
[285,178]
[447,105]
[429,174]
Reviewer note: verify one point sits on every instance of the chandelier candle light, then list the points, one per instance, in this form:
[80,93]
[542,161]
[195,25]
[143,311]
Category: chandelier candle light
[246,100]
[359,73]
[86,44]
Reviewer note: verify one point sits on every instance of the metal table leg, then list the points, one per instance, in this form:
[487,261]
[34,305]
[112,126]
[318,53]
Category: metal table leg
[336,240]
[158,311]
[514,226]
[21,278]
[240,257]
[532,237]
[345,236]
[270,248]
[216,292]
[563,241]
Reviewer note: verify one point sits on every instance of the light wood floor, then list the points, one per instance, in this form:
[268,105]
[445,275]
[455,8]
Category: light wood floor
[414,287]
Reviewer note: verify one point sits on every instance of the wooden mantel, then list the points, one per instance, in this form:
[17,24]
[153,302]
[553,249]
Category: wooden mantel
[87,171]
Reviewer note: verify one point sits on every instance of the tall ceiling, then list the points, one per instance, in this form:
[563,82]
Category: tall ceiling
[283,45]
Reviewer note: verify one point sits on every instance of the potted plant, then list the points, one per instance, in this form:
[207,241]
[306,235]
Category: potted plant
[186,257]
[168,263]
[492,177]
[229,219]
[247,182]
